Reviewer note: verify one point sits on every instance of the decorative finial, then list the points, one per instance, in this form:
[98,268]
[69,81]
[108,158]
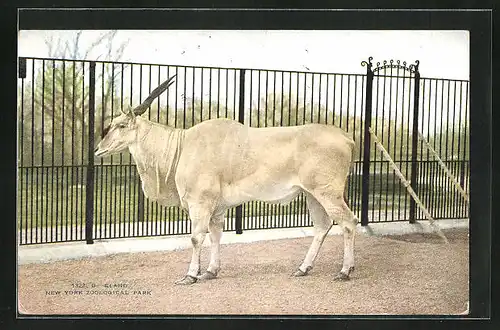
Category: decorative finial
[414,67]
[369,63]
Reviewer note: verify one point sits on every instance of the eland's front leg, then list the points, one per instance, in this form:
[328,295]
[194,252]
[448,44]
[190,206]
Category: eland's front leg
[215,233]
[199,224]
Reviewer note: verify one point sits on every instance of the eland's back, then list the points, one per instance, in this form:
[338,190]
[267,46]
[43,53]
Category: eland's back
[271,163]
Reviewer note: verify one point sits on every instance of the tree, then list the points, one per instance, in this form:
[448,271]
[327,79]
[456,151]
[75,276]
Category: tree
[452,144]
[54,111]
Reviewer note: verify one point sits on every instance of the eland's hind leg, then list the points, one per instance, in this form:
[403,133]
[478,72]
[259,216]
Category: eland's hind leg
[335,206]
[349,228]
[322,224]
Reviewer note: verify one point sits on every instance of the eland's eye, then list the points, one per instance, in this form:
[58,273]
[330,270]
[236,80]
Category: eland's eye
[122,126]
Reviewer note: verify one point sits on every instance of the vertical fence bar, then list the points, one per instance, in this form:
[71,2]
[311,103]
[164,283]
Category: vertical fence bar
[423,167]
[389,149]
[193,115]
[376,162]
[440,201]
[23,177]
[72,178]
[53,222]
[282,95]
[63,175]
[341,115]
[380,170]
[138,186]
[427,109]
[395,145]
[209,93]
[454,193]
[407,160]
[127,197]
[118,186]
[154,207]
[446,199]
[43,159]
[460,163]
[267,95]
[358,165]
[89,213]
[227,89]
[466,164]
[158,208]
[100,167]
[297,101]
[367,142]
[81,168]
[258,100]
[109,167]
[249,102]
[414,162]
[241,119]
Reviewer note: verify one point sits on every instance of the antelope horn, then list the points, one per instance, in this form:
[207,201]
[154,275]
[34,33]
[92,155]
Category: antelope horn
[140,109]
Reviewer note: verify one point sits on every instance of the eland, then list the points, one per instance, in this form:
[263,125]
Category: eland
[221,163]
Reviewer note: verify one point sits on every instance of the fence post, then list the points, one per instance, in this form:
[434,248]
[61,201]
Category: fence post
[367,142]
[140,202]
[241,119]
[89,197]
[414,142]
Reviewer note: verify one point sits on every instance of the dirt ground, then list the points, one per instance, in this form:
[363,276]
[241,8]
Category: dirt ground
[410,274]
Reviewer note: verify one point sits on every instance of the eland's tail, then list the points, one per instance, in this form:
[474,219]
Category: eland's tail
[351,167]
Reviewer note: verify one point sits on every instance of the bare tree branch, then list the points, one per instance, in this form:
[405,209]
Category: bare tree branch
[58,93]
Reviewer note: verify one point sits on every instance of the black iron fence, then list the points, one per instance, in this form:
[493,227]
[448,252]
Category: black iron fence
[65,195]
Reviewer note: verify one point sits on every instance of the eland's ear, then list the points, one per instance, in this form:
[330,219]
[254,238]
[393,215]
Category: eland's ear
[132,120]
[130,112]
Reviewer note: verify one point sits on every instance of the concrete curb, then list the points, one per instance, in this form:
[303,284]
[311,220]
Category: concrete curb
[44,253]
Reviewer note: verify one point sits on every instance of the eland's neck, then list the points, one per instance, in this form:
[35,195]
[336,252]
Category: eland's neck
[156,145]
[156,154]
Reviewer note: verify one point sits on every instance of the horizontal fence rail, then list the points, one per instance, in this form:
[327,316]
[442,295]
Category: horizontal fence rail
[61,187]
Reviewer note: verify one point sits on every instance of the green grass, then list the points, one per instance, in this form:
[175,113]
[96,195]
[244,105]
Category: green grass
[61,202]
[65,205]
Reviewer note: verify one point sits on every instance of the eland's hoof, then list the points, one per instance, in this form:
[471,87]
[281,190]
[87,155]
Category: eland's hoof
[341,277]
[187,280]
[300,273]
[207,276]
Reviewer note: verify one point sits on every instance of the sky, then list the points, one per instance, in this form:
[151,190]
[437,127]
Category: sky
[442,54]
